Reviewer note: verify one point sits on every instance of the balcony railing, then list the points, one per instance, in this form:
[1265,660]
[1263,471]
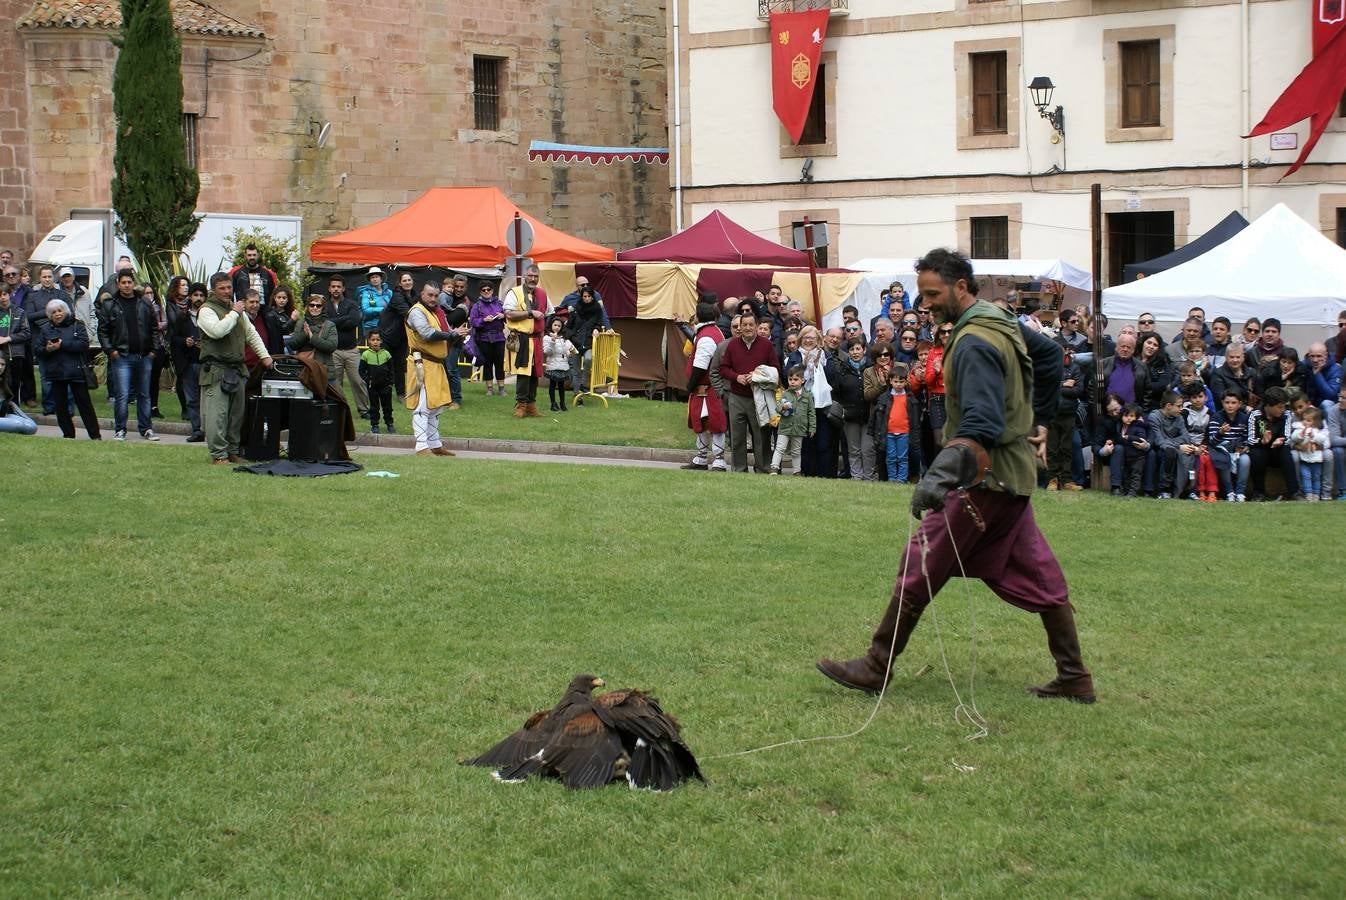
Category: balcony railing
[766,7]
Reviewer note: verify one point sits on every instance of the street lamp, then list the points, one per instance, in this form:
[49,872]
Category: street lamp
[1041,88]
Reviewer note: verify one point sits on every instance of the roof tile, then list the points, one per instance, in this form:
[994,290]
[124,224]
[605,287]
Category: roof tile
[189,16]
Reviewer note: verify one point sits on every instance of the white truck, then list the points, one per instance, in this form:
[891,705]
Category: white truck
[87,242]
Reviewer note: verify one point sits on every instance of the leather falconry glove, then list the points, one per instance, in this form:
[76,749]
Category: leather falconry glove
[963,463]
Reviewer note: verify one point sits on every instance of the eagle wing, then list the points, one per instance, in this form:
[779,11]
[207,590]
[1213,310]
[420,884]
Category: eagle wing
[520,745]
[584,753]
[660,759]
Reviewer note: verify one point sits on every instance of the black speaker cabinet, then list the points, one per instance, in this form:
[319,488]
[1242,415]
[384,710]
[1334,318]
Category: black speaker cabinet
[266,420]
[315,431]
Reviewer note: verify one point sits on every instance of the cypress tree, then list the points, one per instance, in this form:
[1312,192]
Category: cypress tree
[153,189]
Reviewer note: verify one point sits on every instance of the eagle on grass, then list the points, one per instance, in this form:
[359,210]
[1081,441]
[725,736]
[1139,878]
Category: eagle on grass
[587,741]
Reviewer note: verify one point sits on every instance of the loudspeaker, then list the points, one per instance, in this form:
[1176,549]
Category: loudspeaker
[314,430]
[266,420]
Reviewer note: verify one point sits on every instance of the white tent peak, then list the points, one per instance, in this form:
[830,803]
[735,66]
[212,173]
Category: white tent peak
[1278,266]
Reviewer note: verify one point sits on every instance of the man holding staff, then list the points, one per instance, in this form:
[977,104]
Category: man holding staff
[1001,388]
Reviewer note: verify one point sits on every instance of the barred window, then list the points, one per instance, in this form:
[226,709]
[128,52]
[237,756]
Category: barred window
[189,137]
[486,78]
[990,237]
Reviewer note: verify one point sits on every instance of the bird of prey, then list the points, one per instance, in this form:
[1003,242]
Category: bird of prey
[587,741]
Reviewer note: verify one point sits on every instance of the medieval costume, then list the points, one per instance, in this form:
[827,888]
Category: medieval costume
[427,384]
[523,346]
[705,412]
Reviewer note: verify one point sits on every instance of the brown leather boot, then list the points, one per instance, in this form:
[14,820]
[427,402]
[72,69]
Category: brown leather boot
[520,410]
[1072,681]
[530,410]
[866,673]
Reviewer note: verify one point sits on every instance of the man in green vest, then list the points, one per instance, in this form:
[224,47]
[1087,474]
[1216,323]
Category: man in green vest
[225,330]
[1002,383]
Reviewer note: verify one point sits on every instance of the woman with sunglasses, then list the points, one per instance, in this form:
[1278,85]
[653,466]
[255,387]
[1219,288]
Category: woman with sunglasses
[930,379]
[487,318]
[905,351]
[1248,337]
[317,335]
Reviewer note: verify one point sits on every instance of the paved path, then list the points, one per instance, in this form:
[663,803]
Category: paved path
[571,453]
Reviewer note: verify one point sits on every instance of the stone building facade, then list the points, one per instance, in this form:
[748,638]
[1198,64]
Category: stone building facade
[342,111]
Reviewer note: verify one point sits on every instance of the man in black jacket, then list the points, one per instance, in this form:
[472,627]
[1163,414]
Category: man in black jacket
[184,345]
[393,327]
[127,324]
[253,276]
[344,313]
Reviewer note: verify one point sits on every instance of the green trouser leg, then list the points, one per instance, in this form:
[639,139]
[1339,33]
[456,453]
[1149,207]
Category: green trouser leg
[215,416]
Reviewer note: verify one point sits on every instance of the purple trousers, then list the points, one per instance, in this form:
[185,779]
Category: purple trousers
[1011,555]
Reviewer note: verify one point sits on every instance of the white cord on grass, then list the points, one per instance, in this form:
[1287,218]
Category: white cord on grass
[971,713]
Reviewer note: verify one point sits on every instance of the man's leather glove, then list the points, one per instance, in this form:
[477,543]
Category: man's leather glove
[962,463]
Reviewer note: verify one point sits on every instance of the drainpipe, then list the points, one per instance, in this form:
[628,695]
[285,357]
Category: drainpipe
[1245,63]
[677,117]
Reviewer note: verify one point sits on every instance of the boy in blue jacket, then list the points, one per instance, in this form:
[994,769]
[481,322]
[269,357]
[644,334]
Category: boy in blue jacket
[1227,444]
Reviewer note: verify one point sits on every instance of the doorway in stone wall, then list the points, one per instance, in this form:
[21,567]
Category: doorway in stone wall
[1136,237]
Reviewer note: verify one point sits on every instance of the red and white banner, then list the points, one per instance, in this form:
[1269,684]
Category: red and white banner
[1314,95]
[796,46]
[1328,17]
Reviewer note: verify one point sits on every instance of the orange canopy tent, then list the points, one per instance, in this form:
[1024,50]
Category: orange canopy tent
[452,227]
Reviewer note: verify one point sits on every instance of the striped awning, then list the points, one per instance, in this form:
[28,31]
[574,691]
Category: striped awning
[548,151]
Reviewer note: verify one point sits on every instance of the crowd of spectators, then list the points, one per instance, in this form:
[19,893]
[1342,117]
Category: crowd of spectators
[1205,414]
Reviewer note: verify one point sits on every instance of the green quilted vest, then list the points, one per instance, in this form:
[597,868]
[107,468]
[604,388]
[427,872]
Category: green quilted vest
[1013,467]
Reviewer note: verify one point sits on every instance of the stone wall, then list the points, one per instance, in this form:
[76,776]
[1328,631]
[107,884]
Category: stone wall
[394,80]
[16,204]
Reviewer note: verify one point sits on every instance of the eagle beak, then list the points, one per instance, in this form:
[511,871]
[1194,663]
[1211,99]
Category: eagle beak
[598,682]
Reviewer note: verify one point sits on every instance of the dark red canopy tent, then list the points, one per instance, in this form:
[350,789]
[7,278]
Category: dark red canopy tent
[717,239]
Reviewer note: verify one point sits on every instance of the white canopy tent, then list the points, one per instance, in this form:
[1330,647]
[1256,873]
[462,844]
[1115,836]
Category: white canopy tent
[1278,266]
[999,276]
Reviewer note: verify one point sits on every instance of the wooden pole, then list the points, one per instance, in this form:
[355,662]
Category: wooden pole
[1101,479]
[813,273]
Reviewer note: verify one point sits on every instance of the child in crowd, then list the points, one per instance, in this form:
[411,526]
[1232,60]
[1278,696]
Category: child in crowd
[798,420]
[1188,374]
[890,427]
[1197,417]
[1227,444]
[1108,441]
[1175,450]
[1268,443]
[1135,443]
[1308,437]
[556,353]
[376,370]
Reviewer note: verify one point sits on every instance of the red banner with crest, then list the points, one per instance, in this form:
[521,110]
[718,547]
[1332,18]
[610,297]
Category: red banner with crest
[796,46]
[1328,17]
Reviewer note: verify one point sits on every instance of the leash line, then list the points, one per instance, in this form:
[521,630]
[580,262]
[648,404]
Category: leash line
[964,710]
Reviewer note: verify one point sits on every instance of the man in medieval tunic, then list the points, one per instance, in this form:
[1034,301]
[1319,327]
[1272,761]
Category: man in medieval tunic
[705,412]
[525,307]
[427,381]
[1001,388]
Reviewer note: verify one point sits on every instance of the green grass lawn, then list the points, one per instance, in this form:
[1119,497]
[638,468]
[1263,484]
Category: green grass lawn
[633,422]
[220,684]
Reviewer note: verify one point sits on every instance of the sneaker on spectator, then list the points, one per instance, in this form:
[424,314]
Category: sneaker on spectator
[1071,486]
[390,429]
[119,436]
[774,470]
[1241,498]
[1164,495]
[1116,492]
[196,437]
[373,429]
[1231,497]
[149,435]
[1052,485]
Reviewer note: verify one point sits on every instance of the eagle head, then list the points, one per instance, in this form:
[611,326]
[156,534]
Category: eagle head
[585,684]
